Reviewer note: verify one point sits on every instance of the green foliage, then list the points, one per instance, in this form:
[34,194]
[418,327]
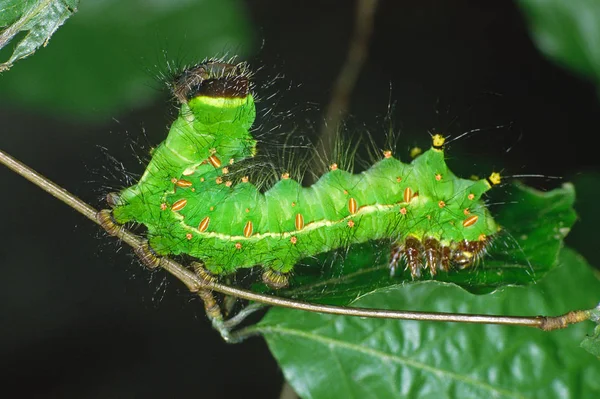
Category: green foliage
[567,32]
[326,356]
[40,18]
[110,51]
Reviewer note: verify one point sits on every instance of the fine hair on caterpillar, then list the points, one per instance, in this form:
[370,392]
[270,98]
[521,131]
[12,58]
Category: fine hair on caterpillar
[196,199]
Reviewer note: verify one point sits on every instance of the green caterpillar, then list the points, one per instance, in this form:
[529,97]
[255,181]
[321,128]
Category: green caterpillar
[192,204]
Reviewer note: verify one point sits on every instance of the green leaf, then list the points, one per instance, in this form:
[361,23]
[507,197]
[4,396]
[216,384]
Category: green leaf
[39,18]
[109,58]
[534,225]
[567,32]
[592,343]
[324,356]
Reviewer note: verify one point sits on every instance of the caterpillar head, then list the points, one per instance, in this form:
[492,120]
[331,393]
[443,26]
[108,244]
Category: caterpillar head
[216,91]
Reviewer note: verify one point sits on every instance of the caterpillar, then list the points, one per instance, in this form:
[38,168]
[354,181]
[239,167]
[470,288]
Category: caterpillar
[191,203]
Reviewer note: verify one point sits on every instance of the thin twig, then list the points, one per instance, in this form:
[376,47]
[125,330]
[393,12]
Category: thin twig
[346,80]
[196,283]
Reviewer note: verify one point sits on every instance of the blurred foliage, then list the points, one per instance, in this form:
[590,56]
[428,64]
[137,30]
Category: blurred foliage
[111,49]
[326,356]
[567,32]
[39,18]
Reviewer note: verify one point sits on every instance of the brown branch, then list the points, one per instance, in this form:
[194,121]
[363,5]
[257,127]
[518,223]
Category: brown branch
[197,284]
[346,80]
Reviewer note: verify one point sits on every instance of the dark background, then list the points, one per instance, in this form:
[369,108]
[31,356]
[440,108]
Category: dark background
[80,317]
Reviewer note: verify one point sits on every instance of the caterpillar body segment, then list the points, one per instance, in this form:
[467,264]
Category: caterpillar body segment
[191,204]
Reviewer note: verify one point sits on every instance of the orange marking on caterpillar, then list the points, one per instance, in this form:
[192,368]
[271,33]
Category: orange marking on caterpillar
[438,177]
[466,211]
[174,180]
[228,183]
[408,194]
[214,161]
[219,180]
[245,179]
[225,170]
[482,237]
[183,183]
[441,204]
[163,207]
[293,240]
[285,176]
[333,166]
[202,180]
[231,161]
[403,211]
[248,229]
[352,206]
[179,205]
[351,223]
[204,224]
[247,210]
[398,179]
[471,196]
[293,204]
[470,221]
[299,222]
[387,154]
[238,245]
[188,236]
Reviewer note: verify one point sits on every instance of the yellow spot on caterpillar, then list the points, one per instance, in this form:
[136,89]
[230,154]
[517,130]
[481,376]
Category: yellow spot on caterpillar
[398,179]
[351,223]
[293,240]
[202,180]
[495,178]
[438,177]
[441,204]
[293,204]
[248,229]
[174,180]
[299,221]
[245,179]
[228,183]
[482,237]
[179,205]
[387,154]
[225,171]
[345,192]
[333,166]
[466,211]
[352,206]
[285,176]
[183,183]
[212,208]
[204,224]
[471,196]
[470,221]
[403,211]
[188,236]
[408,194]
[193,190]
[214,161]
[219,180]
[231,161]
[415,152]
[163,207]
[238,245]
[247,210]
[438,140]
[189,171]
